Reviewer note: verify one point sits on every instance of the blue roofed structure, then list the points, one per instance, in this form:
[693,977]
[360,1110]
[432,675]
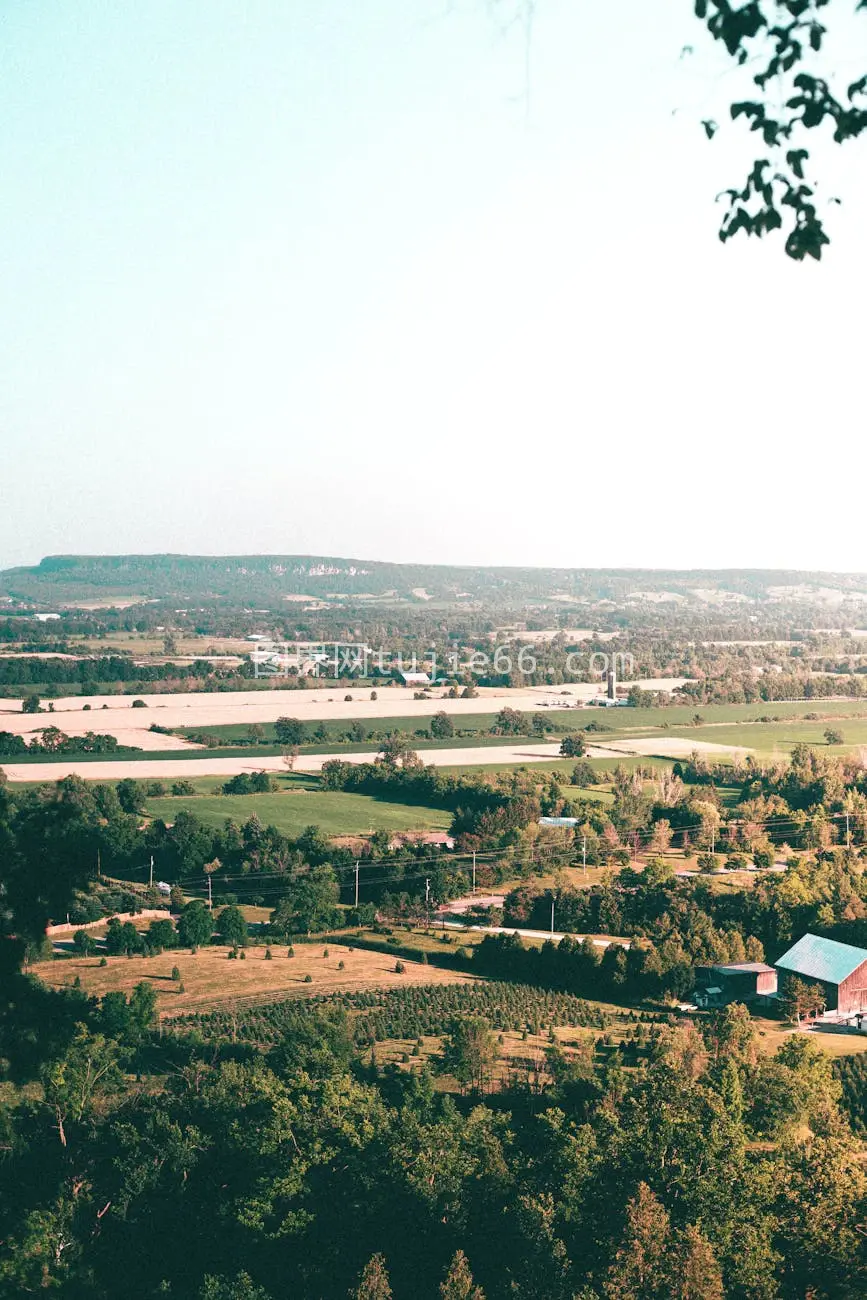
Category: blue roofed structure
[840,968]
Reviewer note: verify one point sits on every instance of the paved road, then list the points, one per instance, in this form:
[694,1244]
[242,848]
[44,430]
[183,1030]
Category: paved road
[554,935]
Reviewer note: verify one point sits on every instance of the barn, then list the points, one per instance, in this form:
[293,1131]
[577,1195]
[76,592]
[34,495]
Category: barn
[743,981]
[839,968]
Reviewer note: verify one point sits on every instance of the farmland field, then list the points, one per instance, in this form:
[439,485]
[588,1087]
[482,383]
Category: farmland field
[334,812]
[209,979]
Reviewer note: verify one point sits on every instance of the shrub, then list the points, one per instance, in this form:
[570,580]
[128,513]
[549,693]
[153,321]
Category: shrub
[103,961]
[308,979]
[139,704]
[290,951]
[268,956]
[399,968]
[341,965]
[176,975]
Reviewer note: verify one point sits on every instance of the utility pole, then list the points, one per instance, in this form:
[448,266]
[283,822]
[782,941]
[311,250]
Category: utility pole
[356,884]
[474,870]
[210,895]
[427,899]
[552,913]
[584,854]
[151,880]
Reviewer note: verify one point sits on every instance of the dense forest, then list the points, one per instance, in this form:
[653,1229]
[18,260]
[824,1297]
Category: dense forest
[268,1151]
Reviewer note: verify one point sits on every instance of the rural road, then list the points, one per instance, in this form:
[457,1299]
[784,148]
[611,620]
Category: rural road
[554,935]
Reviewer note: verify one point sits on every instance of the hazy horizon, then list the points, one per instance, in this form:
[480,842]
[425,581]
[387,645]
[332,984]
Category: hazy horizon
[468,564]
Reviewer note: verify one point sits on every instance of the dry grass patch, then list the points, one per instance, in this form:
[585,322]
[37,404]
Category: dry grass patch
[518,1056]
[773,1033]
[209,979]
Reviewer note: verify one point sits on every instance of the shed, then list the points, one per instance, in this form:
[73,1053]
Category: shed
[742,981]
[839,968]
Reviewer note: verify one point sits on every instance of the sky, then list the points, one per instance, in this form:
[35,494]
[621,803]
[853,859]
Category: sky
[397,280]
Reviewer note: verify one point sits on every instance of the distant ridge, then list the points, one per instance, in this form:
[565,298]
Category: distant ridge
[258,578]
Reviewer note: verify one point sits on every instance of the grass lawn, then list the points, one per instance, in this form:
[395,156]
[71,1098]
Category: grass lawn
[209,979]
[773,1033]
[291,811]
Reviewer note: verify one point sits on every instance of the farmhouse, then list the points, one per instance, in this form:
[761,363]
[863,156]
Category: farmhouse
[839,968]
[440,839]
[416,679]
[743,981]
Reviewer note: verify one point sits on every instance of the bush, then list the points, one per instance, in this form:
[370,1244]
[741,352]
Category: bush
[103,961]
[399,968]
[176,975]
[139,704]
[290,951]
[341,965]
[268,956]
[308,979]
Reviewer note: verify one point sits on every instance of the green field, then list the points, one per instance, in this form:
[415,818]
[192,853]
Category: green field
[334,812]
[472,725]
[736,724]
[771,737]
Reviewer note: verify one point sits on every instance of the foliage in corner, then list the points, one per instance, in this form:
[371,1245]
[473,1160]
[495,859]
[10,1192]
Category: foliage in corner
[779,36]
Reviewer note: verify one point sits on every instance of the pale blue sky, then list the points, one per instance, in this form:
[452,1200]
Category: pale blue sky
[320,276]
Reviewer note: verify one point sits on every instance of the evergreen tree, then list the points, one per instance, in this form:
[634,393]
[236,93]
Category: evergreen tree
[458,1284]
[374,1283]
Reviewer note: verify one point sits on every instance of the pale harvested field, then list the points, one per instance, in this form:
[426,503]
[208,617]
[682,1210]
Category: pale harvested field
[209,708]
[210,979]
[669,747]
[161,768]
[132,726]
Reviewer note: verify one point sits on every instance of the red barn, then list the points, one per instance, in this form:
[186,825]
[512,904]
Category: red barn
[839,968]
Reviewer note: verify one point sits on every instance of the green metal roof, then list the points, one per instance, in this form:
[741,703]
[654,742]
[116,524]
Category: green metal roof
[815,958]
